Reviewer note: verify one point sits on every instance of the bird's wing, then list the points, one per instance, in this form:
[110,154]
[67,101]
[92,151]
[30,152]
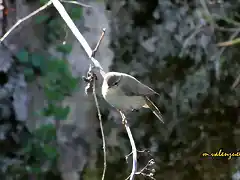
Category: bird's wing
[154,109]
[133,87]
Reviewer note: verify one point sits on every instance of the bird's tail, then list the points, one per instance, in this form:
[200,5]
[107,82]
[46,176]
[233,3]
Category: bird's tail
[155,110]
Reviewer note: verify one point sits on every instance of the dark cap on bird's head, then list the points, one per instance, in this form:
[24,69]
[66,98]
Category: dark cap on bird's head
[113,79]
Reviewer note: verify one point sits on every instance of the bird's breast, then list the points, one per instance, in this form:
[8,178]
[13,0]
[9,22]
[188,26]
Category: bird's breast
[120,101]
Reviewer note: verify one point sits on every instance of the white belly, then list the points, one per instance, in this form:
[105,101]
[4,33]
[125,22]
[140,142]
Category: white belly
[122,102]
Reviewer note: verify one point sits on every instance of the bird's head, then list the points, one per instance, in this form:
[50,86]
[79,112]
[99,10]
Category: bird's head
[113,79]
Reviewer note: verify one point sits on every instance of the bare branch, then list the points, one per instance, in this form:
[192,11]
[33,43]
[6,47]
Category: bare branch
[24,19]
[77,34]
[98,108]
[219,53]
[134,150]
[91,87]
[140,151]
[150,162]
[101,127]
[147,170]
[229,43]
[99,42]
[90,54]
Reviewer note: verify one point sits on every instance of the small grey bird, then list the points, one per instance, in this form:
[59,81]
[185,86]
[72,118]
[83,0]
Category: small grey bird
[124,92]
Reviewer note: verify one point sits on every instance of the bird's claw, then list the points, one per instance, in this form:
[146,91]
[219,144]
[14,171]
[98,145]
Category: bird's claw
[124,122]
[135,110]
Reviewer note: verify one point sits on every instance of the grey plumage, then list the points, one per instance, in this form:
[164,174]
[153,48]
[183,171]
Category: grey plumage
[125,92]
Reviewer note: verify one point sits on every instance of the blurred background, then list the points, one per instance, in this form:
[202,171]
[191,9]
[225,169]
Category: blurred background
[170,45]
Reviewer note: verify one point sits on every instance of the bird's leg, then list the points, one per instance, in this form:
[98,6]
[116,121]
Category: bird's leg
[135,110]
[124,120]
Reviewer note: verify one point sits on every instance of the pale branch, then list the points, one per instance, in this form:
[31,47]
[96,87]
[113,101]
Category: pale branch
[99,42]
[89,52]
[35,13]
[134,149]
[69,23]
[140,151]
[24,19]
[146,168]
[219,53]
[229,43]
[57,4]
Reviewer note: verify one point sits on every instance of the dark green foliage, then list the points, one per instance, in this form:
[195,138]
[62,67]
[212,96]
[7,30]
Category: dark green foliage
[29,74]
[38,155]
[75,13]
[64,48]
[23,56]
[41,18]
[55,77]
[42,2]
[58,112]
[57,82]
[55,30]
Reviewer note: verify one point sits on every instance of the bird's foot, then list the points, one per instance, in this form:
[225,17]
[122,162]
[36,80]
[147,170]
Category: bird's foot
[135,110]
[124,122]
[124,119]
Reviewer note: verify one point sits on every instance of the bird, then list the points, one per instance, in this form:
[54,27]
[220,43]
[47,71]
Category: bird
[124,92]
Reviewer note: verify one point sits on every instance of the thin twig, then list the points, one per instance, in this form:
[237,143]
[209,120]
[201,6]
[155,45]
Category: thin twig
[25,18]
[98,108]
[77,3]
[146,167]
[101,127]
[140,151]
[150,162]
[99,42]
[234,35]
[229,43]
[219,53]
[134,149]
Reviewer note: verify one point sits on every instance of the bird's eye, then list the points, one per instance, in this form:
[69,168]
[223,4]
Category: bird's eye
[115,83]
